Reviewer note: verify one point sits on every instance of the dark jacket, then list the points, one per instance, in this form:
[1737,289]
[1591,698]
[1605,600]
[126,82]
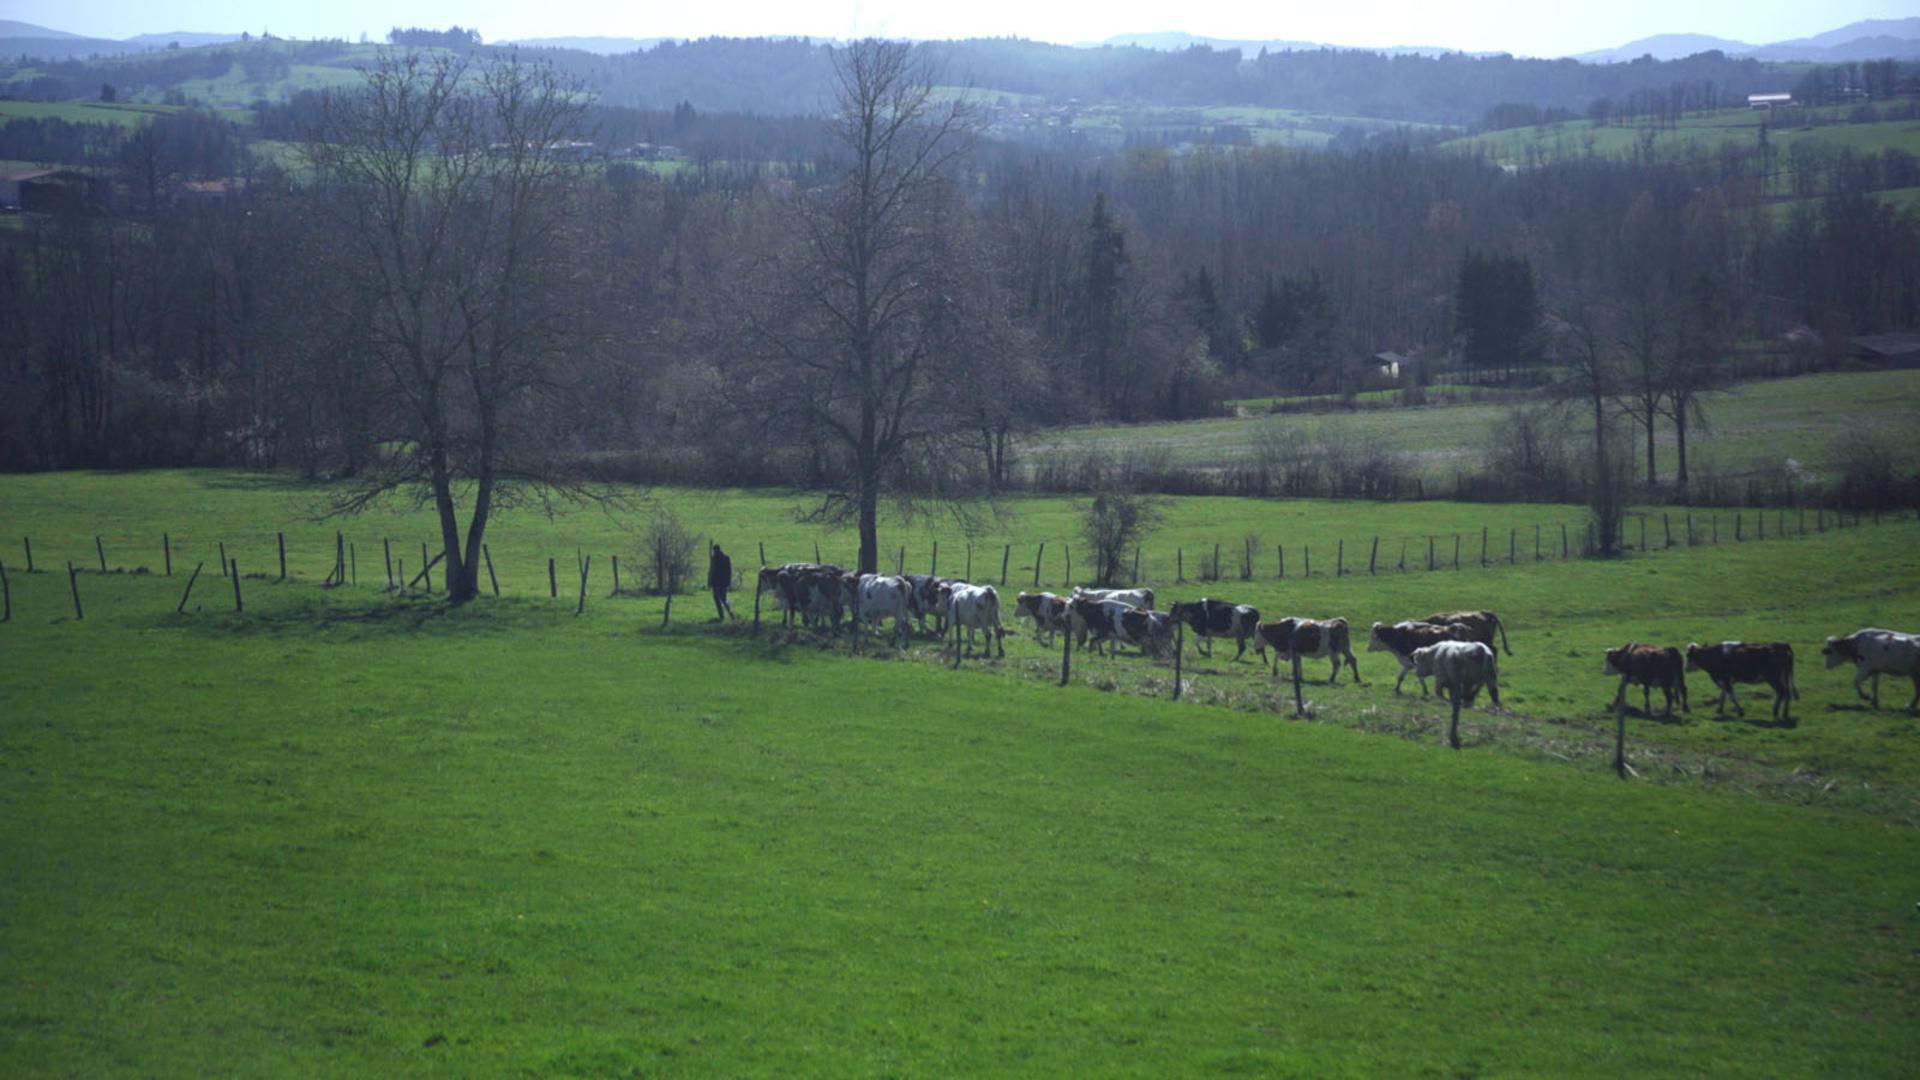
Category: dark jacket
[719,570]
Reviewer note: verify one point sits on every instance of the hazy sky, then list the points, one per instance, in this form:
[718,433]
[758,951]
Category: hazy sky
[1528,28]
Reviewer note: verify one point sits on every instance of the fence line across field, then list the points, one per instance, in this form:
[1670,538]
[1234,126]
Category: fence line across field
[1640,531]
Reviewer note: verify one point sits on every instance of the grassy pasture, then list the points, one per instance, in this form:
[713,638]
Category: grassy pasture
[346,833]
[1754,425]
[1696,132]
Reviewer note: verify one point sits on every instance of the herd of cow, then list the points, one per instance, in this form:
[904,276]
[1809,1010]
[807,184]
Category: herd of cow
[1454,648]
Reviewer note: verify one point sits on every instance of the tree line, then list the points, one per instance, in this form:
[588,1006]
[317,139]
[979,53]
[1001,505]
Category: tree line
[438,299]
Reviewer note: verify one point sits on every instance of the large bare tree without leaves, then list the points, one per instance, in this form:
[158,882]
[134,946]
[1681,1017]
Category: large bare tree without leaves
[861,309]
[448,196]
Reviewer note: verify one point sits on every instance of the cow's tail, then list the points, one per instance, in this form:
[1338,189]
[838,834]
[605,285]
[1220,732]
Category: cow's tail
[1503,635]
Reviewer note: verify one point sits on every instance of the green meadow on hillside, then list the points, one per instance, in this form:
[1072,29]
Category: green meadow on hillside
[348,832]
[1788,424]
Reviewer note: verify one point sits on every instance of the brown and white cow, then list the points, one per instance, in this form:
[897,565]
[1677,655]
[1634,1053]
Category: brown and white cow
[1047,612]
[1309,639]
[1874,653]
[1733,662]
[1481,624]
[1402,638]
[1653,667]
[1209,619]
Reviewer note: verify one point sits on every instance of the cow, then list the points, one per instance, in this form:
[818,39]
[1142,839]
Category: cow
[1459,669]
[1217,618]
[788,584]
[927,597]
[1733,662]
[1309,639]
[977,607]
[1140,598]
[1651,666]
[1117,623]
[1048,612]
[1481,624]
[884,597]
[1403,638]
[1874,653]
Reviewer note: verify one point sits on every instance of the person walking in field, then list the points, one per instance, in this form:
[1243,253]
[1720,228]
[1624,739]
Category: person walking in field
[720,579]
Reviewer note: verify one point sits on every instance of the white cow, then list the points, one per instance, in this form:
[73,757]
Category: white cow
[977,607]
[1875,653]
[885,598]
[1458,670]
[1140,598]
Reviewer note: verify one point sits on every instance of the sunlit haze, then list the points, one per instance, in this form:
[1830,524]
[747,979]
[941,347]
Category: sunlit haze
[1496,25]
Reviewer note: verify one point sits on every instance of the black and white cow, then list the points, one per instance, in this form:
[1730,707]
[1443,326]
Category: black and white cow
[1115,623]
[977,607]
[1048,613]
[1403,638]
[1459,669]
[1874,653]
[1209,619]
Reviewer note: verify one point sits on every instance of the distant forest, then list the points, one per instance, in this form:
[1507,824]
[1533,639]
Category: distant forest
[788,77]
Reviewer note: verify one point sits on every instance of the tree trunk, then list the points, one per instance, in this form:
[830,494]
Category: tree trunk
[1653,475]
[1680,439]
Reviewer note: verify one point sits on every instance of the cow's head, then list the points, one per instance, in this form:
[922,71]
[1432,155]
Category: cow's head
[1841,650]
[1423,660]
[1695,653]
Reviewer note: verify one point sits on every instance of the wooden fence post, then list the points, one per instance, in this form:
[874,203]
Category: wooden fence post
[933,566]
[6,595]
[1513,546]
[189,590]
[166,549]
[666,613]
[763,553]
[816,551]
[900,561]
[616,576]
[1179,647]
[1299,702]
[281,539]
[1456,551]
[1620,736]
[1563,539]
[586,565]
[553,583]
[28,541]
[1340,560]
[73,583]
[1306,557]
[1282,549]
[756,610]
[1536,542]
[1738,531]
[353,562]
[1373,558]
[1429,554]
[1037,556]
[97,546]
[1006,556]
[402,571]
[488,555]
[223,558]
[1666,526]
[1217,575]
[1716,528]
[1483,545]
[236,587]
[386,546]
[1066,655]
[1643,532]
[1403,555]
[1136,564]
[1068,551]
[969,562]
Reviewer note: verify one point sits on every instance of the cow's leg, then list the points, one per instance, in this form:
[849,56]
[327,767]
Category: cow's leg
[1000,640]
[1453,729]
[1915,703]
[1404,668]
[1646,699]
[1859,683]
[1733,695]
[1241,653]
[1353,665]
[1620,696]
[1493,686]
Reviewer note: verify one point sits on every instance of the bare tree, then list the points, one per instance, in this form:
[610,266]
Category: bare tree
[860,304]
[447,194]
[1114,524]
[1587,333]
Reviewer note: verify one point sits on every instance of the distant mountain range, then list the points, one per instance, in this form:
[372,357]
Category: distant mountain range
[1870,39]
[26,39]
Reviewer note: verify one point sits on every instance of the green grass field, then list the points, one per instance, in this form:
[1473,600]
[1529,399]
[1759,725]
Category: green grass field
[1756,425]
[346,832]
[1696,132]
